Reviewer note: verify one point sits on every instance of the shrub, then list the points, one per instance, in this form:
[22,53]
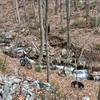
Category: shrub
[38,68]
[97,47]
[2,64]
[58,92]
[93,21]
[62,30]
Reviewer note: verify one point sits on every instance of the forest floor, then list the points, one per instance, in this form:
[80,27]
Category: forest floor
[79,37]
[63,83]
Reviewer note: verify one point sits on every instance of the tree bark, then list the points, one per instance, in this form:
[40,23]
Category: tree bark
[46,38]
[68,23]
[56,6]
[17,11]
[75,5]
[42,31]
[25,10]
[61,15]
[87,11]
[33,7]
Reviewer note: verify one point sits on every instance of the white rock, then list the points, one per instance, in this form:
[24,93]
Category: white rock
[86,98]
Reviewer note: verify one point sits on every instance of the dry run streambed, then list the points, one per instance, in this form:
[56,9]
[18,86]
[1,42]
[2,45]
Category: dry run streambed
[16,76]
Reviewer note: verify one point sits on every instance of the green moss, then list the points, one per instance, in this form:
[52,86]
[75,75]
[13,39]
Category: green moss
[97,47]
[38,68]
[62,30]
[2,64]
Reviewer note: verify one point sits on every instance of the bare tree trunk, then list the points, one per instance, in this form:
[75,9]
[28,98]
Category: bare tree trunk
[27,19]
[25,10]
[87,11]
[33,7]
[42,32]
[35,3]
[61,15]
[56,6]
[46,37]
[19,19]
[99,93]
[97,13]
[75,5]
[15,14]
[67,3]
[17,11]
[68,23]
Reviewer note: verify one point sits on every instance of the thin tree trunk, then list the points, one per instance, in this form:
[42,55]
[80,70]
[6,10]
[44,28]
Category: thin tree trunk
[25,10]
[67,3]
[46,37]
[33,7]
[56,6]
[35,3]
[41,29]
[17,11]
[75,5]
[96,23]
[27,20]
[15,14]
[19,19]
[68,23]
[99,93]
[87,11]
[61,12]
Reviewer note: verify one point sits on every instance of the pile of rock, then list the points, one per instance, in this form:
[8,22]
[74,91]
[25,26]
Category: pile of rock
[12,85]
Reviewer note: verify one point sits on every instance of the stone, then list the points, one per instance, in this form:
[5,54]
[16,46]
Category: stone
[86,98]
